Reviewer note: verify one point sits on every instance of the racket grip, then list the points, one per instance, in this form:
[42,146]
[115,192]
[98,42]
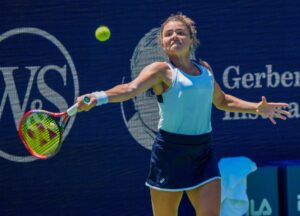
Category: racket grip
[73,109]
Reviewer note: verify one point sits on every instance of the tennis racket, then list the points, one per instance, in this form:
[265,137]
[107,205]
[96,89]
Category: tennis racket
[41,131]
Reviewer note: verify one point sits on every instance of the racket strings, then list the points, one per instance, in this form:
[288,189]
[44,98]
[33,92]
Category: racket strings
[41,133]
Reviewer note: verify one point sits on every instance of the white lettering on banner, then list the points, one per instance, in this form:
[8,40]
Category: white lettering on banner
[264,208]
[49,93]
[38,76]
[293,108]
[232,78]
[11,94]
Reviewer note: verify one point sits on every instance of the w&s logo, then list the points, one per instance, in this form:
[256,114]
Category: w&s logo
[36,72]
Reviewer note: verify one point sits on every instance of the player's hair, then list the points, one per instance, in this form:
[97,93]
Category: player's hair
[190,24]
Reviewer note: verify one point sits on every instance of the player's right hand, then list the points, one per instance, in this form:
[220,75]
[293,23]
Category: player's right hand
[82,105]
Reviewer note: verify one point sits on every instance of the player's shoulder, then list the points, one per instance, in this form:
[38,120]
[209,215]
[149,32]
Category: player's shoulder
[159,67]
[206,65]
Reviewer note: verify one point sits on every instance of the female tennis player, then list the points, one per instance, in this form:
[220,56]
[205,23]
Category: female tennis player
[182,159]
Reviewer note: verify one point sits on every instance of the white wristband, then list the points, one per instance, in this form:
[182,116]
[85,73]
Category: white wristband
[101,97]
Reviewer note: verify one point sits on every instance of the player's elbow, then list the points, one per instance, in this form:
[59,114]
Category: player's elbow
[220,103]
[220,106]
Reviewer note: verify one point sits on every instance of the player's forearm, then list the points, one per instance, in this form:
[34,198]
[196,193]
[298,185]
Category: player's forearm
[121,93]
[234,104]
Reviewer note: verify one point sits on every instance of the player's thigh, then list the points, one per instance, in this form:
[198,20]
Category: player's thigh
[165,203]
[206,199]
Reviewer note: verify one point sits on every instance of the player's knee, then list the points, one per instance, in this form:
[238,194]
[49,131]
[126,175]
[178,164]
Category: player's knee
[165,211]
[207,212]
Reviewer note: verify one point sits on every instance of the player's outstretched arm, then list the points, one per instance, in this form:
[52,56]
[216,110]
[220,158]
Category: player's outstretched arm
[150,76]
[230,103]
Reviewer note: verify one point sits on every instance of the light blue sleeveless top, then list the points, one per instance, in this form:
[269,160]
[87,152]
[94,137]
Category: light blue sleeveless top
[187,103]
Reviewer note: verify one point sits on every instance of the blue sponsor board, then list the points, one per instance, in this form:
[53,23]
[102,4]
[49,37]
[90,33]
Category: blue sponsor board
[263,192]
[293,190]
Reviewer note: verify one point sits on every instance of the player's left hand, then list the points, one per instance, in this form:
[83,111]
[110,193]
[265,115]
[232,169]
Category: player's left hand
[272,110]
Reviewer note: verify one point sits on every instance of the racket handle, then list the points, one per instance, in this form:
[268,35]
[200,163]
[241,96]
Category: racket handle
[73,109]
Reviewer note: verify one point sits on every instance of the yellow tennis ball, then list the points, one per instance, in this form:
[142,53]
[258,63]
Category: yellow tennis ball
[102,33]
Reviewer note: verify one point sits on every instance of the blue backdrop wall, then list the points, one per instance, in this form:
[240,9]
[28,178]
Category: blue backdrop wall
[49,55]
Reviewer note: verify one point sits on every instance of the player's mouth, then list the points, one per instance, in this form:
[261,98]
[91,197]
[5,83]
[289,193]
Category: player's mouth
[175,44]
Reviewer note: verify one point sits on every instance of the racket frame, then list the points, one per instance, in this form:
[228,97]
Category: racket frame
[61,125]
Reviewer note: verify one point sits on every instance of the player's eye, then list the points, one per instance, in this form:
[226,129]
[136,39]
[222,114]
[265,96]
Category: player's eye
[168,34]
[181,33]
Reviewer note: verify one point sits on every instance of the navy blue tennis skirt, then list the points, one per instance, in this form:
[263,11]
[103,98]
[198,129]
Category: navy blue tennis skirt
[181,162]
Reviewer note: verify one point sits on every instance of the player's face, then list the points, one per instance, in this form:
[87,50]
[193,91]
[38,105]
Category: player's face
[176,38]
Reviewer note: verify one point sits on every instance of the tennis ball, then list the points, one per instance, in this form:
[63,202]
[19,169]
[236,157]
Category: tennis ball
[102,33]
